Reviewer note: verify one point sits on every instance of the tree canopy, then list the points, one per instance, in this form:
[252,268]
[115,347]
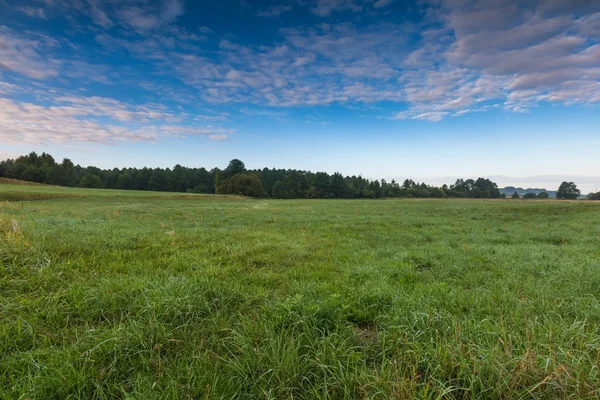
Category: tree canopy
[235,167]
[568,191]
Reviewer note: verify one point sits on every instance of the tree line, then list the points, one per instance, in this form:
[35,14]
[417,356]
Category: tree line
[531,195]
[566,191]
[235,179]
[594,196]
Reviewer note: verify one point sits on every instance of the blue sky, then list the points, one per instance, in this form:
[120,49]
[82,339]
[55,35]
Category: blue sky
[432,90]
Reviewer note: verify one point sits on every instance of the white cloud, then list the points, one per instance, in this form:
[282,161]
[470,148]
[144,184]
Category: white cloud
[172,9]
[303,60]
[27,54]
[217,117]
[218,137]
[138,18]
[8,88]
[205,29]
[100,18]
[32,12]
[427,116]
[382,3]
[93,120]
[324,8]
[462,112]
[275,11]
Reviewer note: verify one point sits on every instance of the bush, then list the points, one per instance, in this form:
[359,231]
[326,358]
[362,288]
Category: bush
[242,184]
[91,181]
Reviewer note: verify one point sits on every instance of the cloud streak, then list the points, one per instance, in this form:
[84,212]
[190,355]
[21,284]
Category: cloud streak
[275,11]
[94,120]
[28,54]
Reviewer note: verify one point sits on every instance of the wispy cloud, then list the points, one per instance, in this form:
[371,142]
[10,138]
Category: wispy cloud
[100,18]
[382,3]
[145,18]
[218,137]
[95,120]
[274,11]
[33,12]
[359,65]
[28,54]
[324,8]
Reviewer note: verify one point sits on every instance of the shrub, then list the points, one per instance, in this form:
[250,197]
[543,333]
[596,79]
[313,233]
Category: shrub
[246,184]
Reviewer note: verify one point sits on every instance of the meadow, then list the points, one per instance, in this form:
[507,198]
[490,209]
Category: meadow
[109,294]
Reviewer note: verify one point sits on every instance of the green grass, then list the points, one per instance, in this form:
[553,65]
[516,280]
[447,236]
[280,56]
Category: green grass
[110,295]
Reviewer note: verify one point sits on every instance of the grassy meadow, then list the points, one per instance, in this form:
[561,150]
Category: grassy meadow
[113,294]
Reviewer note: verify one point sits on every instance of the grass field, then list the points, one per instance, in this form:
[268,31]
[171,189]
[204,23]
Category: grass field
[110,294]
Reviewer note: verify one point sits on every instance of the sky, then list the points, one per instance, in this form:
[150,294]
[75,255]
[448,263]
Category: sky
[431,90]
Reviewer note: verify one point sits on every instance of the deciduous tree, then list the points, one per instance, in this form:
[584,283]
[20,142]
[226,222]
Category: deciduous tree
[568,191]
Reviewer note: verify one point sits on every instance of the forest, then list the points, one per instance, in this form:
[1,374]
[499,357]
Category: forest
[236,179]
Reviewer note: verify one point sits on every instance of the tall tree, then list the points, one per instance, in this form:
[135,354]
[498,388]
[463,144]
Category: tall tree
[279,190]
[124,181]
[320,185]
[338,185]
[296,185]
[235,167]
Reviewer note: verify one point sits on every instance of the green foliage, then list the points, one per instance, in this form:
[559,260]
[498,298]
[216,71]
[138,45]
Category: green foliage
[543,195]
[124,181]
[91,181]
[568,191]
[515,195]
[338,185]
[125,294]
[243,184]
[44,169]
[481,188]
[531,196]
[235,167]
[294,186]
[279,191]
[594,196]
[321,186]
